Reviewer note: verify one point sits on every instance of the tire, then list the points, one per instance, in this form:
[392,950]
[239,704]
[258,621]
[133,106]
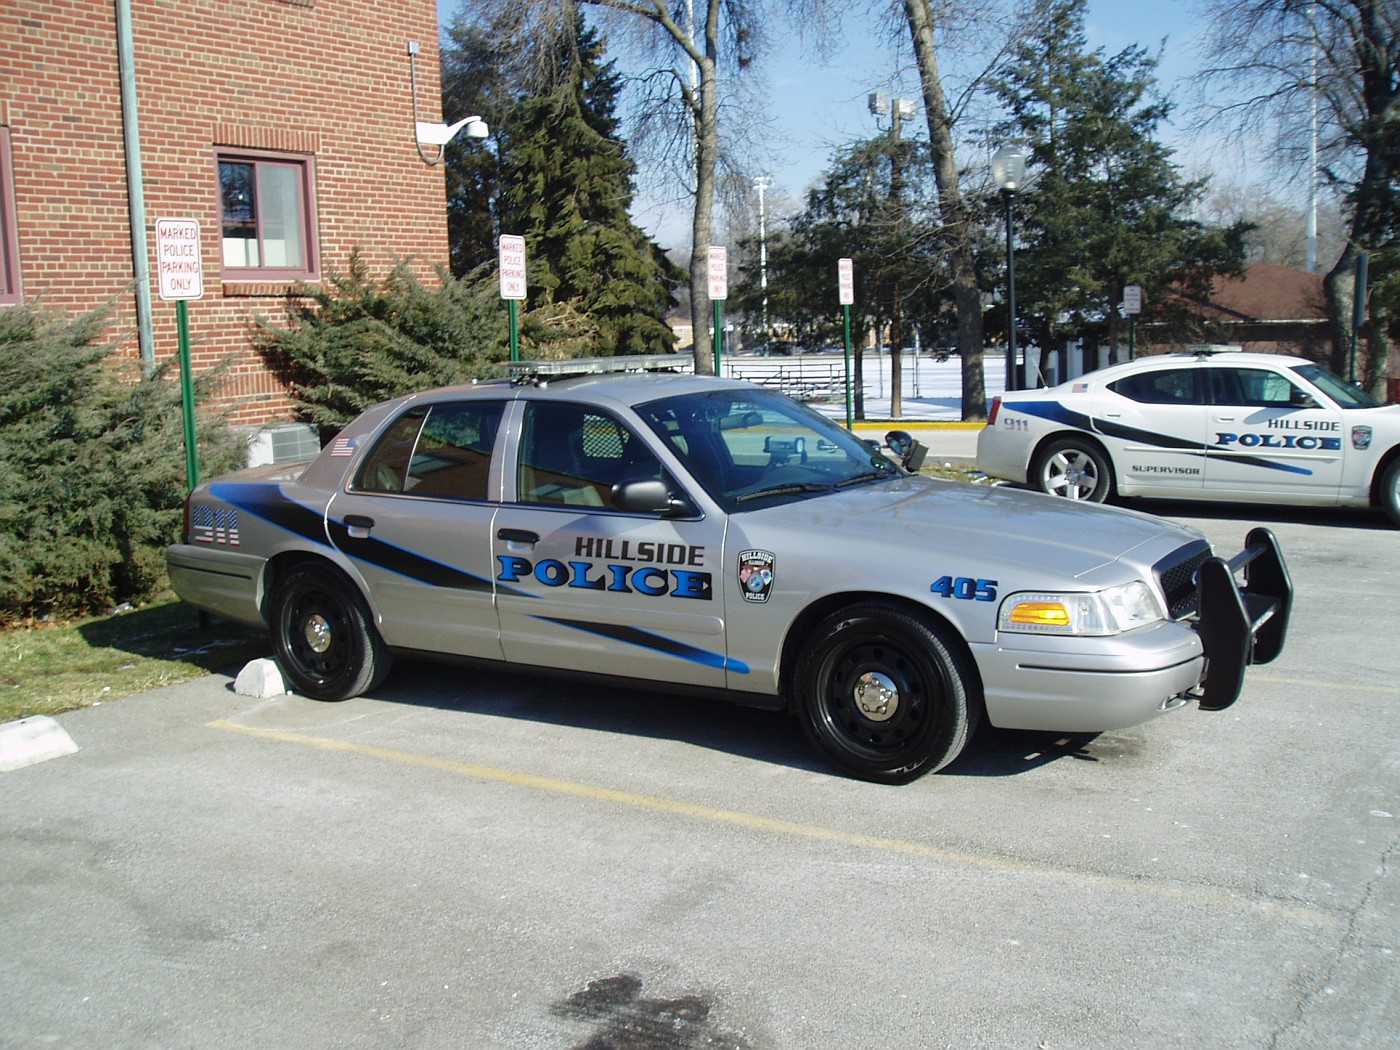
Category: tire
[1390,490]
[1075,469]
[884,694]
[324,637]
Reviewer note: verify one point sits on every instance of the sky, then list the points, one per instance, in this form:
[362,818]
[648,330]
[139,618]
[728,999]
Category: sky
[817,106]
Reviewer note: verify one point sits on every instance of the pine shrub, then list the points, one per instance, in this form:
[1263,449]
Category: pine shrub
[92,468]
[352,340]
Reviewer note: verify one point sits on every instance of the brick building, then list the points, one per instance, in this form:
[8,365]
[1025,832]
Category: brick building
[285,127]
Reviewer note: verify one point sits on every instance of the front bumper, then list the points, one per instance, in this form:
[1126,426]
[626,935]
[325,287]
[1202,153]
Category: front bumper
[1241,625]
[1098,684]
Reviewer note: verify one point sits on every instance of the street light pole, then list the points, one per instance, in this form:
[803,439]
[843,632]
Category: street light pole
[1008,170]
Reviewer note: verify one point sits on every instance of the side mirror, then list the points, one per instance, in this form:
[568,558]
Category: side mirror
[1301,399]
[650,496]
[911,453]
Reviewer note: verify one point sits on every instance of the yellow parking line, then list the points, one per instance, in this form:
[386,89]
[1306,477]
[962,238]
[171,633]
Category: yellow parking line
[754,822]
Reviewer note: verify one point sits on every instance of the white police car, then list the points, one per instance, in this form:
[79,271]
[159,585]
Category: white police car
[1228,426]
[682,532]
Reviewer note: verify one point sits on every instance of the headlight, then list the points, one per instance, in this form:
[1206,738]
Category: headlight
[1110,611]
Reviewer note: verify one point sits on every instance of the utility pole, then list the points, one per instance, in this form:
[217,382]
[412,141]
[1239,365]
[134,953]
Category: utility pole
[899,110]
[762,183]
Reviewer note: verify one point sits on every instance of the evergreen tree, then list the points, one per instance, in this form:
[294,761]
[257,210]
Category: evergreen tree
[92,466]
[1109,207]
[563,179]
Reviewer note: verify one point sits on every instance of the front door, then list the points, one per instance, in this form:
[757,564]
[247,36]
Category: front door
[1271,437]
[586,586]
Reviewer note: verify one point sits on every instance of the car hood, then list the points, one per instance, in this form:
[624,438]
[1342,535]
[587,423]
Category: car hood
[987,524]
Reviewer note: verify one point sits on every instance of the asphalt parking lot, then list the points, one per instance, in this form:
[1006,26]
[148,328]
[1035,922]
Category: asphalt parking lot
[472,859]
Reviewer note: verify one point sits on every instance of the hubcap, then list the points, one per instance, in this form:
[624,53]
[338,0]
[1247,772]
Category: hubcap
[318,633]
[876,696]
[1076,477]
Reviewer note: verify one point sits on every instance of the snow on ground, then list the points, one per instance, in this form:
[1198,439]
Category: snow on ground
[932,389]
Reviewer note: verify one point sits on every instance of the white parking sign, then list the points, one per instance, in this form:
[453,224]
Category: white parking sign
[179,263]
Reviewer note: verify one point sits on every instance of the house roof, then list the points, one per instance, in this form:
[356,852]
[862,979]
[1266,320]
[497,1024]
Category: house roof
[1267,293]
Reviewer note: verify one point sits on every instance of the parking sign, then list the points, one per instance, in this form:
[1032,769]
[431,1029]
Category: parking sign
[179,264]
[512,260]
[719,272]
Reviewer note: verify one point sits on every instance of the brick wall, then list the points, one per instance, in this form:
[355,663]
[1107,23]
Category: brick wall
[324,77]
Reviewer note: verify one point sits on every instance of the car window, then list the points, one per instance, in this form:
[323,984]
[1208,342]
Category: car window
[1172,386]
[748,446]
[442,451]
[1339,390]
[1252,388]
[573,454]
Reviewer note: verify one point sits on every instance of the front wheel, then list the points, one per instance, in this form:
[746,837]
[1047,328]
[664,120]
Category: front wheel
[324,637]
[1076,469]
[885,694]
[1390,490]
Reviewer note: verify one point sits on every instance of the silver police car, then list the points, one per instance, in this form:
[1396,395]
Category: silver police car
[692,533]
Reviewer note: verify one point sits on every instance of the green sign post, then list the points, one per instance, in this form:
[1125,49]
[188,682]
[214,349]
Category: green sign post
[511,250]
[719,291]
[846,295]
[180,269]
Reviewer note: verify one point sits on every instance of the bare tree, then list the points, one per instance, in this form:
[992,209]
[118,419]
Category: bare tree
[1333,66]
[953,210]
[694,53]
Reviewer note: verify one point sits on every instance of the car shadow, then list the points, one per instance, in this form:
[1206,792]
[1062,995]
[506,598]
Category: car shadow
[771,737]
[1367,519]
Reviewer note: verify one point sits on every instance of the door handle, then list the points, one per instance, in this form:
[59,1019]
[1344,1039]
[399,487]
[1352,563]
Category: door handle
[517,536]
[358,525]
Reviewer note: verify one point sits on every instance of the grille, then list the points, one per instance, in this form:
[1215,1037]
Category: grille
[1176,575]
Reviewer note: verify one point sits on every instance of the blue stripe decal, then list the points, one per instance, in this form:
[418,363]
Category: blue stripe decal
[1057,413]
[655,642]
[272,505]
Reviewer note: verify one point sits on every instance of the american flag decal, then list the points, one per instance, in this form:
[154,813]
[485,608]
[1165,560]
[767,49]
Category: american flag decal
[215,525]
[344,446]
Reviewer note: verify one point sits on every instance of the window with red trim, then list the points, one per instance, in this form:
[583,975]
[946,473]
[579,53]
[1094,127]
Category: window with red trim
[267,216]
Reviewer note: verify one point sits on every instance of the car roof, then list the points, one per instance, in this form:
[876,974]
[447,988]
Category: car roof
[1179,360]
[617,388]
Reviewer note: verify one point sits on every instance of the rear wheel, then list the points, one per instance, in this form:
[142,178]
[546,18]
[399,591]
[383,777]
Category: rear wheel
[1076,469]
[324,637]
[885,694]
[1390,490]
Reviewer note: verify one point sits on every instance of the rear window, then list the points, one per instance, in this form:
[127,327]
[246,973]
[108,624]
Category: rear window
[1173,386]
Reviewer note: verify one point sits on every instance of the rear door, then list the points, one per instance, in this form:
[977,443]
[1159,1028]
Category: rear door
[586,586]
[1156,425]
[417,519]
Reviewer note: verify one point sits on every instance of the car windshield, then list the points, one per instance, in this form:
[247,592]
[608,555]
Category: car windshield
[751,448]
[1339,390]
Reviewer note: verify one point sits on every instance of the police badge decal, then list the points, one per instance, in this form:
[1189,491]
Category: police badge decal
[756,575]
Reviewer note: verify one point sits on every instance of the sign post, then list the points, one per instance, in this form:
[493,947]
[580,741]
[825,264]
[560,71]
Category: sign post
[180,266]
[719,291]
[1132,306]
[513,286]
[846,295]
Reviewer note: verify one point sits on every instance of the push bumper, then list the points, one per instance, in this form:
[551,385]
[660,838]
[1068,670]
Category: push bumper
[1239,624]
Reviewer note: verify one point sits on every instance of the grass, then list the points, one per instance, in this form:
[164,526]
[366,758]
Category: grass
[48,669]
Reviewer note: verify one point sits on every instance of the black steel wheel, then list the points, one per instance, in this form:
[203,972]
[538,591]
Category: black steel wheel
[885,694]
[1075,468]
[322,632]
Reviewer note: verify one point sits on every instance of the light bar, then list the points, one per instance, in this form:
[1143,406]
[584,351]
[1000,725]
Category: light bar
[579,366]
